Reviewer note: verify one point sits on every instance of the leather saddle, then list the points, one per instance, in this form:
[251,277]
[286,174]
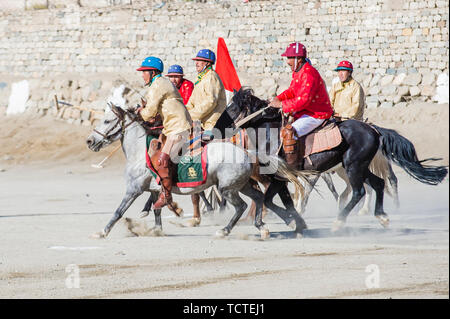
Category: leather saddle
[325,137]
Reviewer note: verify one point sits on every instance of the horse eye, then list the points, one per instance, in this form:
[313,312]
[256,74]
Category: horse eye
[107,122]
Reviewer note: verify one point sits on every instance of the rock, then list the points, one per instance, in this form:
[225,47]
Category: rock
[96,85]
[428,79]
[403,90]
[414,91]
[413,79]
[442,95]
[401,104]
[387,104]
[376,78]
[85,115]
[267,82]
[374,90]
[399,79]
[367,79]
[397,99]
[372,101]
[427,90]
[389,90]
[386,80]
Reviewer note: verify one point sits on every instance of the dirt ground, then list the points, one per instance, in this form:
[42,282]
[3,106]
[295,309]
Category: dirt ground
[52,200]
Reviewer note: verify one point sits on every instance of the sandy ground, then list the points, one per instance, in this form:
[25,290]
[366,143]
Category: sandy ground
[52,200]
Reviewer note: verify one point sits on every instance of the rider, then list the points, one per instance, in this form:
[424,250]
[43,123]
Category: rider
[208,100]
[306,99]
[164,99]
[184,86]
[347,95]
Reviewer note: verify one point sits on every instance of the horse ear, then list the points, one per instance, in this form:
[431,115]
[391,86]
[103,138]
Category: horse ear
[120,113]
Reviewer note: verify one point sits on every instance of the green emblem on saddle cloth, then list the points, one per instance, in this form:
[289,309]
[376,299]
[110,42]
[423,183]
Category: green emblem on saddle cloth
[191,169]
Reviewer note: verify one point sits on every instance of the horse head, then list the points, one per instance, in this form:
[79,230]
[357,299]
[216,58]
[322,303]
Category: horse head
[110,128]
[244,103]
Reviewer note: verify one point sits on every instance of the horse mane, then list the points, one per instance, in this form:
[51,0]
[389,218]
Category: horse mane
[249,103]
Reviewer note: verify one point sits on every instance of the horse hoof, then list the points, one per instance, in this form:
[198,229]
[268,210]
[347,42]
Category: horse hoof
[298,235]
[337,225]
[144,214]
[98,235]
[265,233]
[179,212]
[194,222]
[384,220]
[292,224]
[221,233]
[157,232]
[363,211]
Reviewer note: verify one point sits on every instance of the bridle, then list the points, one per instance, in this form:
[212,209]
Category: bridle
[120,120]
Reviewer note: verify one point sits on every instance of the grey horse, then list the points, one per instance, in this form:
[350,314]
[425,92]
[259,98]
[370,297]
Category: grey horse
[229,169]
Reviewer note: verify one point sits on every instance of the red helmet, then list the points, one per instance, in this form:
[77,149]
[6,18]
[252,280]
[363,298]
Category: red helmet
[344,65]
[295,49]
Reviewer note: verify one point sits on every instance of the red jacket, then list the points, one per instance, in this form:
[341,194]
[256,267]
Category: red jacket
[307,94]
[185,90]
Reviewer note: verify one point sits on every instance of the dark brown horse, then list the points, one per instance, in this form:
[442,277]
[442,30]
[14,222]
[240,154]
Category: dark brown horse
[360,143]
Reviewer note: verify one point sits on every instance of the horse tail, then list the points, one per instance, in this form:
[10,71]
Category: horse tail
[276,165]
[401,151]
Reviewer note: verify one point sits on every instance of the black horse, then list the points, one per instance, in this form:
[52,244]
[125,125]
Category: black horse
[357,149]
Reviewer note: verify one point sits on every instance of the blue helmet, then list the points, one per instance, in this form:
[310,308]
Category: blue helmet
[206,55]
[152,63]
[175,70]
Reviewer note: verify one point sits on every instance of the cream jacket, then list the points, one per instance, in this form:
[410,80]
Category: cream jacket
[208,100]
[347,99]
[163,98]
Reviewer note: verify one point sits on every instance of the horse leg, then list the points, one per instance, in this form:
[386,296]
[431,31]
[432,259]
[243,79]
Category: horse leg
[309,187]
[344,195]
[291,217]
[394,183]
[378,185]
[356,175]
[239,205]
[209,208]
[327,178]
[124,205]
[367,199]
[195,221]
[286,198]
[252,210]
[258,197]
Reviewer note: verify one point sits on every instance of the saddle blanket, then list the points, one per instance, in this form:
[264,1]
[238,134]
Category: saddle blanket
[191,170]
[323,139]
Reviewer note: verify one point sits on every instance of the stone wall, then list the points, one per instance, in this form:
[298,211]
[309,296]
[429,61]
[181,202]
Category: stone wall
[80,50]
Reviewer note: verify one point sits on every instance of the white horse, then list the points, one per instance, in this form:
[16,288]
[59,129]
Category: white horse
[229,169]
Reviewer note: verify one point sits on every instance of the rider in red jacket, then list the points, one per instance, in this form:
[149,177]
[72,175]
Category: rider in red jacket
[185,87]
[306,99]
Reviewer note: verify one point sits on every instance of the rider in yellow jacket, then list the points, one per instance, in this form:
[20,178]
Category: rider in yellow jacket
[347,96]
[208,100]
[164,99]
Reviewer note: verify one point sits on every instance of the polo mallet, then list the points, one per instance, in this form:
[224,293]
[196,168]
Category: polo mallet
[99,165]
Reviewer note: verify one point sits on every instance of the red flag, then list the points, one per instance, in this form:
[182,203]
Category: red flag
[225,68]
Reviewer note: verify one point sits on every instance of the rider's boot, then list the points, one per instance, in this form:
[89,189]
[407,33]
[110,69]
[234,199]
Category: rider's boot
[290,145]
[165,172]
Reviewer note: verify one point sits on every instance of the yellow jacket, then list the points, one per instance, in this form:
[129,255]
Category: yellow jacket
[347,99]
[208,100]
[163,98]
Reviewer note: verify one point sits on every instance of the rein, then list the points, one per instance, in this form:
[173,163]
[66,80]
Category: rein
[120,120]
